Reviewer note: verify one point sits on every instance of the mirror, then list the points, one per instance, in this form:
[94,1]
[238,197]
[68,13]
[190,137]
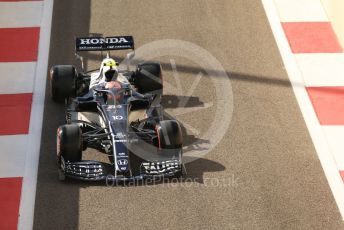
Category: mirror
[128,58]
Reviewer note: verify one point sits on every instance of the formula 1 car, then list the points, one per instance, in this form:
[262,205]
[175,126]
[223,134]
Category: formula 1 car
[126,123]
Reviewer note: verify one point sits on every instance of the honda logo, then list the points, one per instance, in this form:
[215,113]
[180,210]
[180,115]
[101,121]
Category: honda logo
[110,40]
[122,162]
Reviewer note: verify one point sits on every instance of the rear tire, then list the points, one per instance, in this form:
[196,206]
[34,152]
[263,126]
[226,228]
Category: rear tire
[69,143]
[148,78]
[62,82]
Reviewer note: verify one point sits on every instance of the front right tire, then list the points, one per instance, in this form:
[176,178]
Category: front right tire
[169,134]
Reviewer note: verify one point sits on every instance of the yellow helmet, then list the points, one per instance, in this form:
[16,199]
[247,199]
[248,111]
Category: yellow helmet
[109,62]
[108,69]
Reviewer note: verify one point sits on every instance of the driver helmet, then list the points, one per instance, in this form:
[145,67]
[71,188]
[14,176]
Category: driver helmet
[109,69]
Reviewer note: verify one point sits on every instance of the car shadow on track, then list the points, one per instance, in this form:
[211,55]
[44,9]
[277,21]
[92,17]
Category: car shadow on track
[190,141]
[235,76]
[172,101]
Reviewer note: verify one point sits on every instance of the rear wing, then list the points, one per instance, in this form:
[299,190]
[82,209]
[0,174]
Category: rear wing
[104,43]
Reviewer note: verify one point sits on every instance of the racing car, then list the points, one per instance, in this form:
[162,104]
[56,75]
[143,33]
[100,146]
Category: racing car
[121,119]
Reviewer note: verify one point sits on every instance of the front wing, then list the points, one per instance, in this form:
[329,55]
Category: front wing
[99,171]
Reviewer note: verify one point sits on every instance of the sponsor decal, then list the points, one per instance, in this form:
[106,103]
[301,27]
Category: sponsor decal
[75,169]
[112,107]
[96,41]
[119,135]
[160,167]
[108,43]
[122,162]
[120,140]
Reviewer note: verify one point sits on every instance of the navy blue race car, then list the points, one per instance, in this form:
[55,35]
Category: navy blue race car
[117,112]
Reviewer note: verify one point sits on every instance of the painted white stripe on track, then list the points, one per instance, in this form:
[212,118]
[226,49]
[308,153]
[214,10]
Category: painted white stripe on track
[17,77]
[334,135]
[12,157]
[301,11]
[27,204]
[318,137]
[322,69]
[20,14]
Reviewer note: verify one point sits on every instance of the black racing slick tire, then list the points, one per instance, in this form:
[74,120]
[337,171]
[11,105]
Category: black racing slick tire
[62,82]
[169,135]
[148,78]
[69,143]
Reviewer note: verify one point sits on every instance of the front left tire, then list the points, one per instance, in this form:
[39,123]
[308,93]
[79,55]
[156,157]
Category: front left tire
[69,142]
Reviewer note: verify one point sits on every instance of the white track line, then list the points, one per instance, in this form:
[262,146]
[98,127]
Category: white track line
[12,155]
[322,69]
[300,11]
[28,194]
[20,14]
[315,130]
[17,77]
[334,135]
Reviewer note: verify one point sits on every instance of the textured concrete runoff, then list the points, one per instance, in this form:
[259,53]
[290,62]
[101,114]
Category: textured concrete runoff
[264,173]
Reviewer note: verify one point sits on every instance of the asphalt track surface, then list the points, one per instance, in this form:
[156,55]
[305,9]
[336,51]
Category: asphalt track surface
[273,178]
